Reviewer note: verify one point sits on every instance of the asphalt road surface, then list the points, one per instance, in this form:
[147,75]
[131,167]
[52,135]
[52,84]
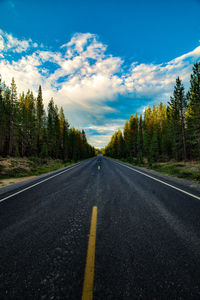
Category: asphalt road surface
[147,235]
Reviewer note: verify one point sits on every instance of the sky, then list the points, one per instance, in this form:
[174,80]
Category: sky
[101,60]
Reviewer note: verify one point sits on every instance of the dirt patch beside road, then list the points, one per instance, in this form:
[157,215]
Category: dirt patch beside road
[9,181]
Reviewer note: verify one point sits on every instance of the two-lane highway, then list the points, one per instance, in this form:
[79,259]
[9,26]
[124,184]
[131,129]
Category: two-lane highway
[143,241]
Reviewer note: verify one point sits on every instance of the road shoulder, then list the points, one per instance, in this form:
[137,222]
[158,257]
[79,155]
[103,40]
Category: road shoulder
[168,178]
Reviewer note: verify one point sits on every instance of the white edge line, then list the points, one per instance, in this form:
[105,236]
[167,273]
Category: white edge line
[180,190]
[31,186]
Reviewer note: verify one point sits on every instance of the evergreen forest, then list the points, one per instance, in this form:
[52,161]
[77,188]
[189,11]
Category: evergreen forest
[26,129]
[163,132]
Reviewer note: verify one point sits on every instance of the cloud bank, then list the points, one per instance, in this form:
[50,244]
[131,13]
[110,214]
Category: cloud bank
[87,81]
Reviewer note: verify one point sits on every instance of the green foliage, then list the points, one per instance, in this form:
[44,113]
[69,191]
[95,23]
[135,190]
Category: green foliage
[177,107]
[193,114]
[179,170]
[26,130]
[33,166]
[17,172]
[166,132]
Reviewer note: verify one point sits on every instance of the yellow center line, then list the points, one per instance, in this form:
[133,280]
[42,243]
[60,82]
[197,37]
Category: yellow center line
[89,268]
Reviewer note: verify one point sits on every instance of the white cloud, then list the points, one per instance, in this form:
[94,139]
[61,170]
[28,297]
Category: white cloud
[99,135]
[10,43]
[107,127]
[155,80]
[85,79]
[99,141]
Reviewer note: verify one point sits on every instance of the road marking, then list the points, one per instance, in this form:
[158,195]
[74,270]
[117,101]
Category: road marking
[89,268]
[174,187]
[99,167]
[31,186]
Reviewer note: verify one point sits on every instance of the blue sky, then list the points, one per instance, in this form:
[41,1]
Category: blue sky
[101,60]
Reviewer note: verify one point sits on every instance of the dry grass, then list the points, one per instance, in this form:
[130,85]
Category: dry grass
[16,169]
[9,181]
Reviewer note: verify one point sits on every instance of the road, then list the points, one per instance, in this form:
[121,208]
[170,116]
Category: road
[147,240]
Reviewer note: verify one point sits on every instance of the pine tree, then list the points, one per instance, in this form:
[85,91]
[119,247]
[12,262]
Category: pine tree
[51,127]
[140,141]
[130,136]
[39,119]
[147,132]
[193,113]
[64,134]
[13,115]
[31,124]
[120,144]
[23,125]
[57,132]
[2,120]
[126,139]
[177,120]
[154,152]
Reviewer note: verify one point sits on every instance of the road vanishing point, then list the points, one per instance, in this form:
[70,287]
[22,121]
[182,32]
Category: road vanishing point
[100,229]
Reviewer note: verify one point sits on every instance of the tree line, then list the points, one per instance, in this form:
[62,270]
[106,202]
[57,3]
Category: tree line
[27,130]
[164,132]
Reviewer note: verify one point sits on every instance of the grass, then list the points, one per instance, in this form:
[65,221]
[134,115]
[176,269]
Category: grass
[186,170]
[22,167]
[46,168]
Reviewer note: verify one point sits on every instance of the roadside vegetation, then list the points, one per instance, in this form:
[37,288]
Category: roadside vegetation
[185,170]
[27,130]
[189,170]
[33,140]
[12,167]
[17,169]
[167,137]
